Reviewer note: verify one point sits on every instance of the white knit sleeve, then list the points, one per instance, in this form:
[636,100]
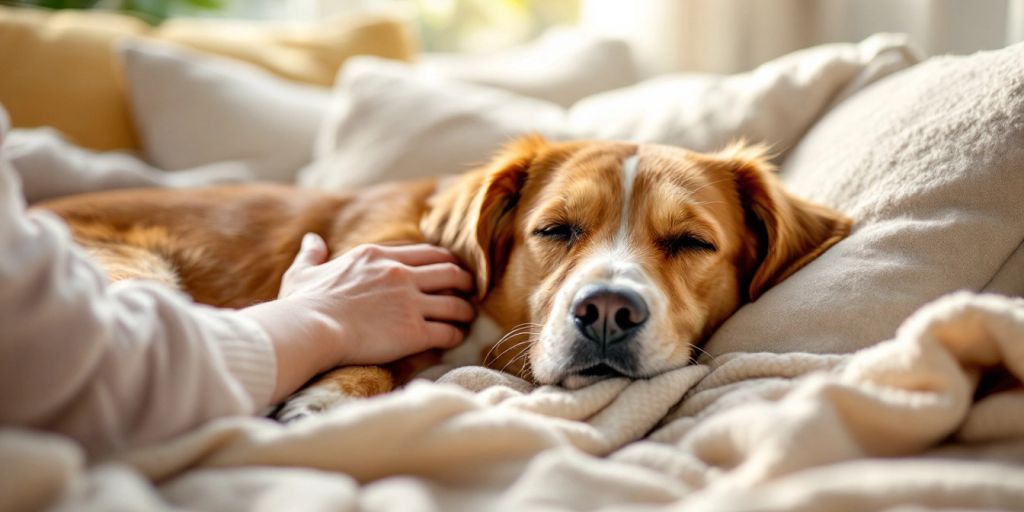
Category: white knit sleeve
[112,365]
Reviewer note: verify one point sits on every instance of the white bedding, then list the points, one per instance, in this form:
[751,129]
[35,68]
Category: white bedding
[891,425]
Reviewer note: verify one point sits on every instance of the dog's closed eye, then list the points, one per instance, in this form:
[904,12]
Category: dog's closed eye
[685,242]
[563,232]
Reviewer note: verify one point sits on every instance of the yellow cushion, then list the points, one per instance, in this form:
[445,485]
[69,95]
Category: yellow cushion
[58,68]
[311,54]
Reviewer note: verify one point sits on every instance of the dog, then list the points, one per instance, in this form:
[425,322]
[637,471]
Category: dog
[592,259]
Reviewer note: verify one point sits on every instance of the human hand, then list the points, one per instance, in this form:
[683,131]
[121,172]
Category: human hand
[372,305]
[384,300]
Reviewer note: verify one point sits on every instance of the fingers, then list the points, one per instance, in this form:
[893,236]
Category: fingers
[418,254]
[442,276]
[442,335]
[446,308]
[312,252]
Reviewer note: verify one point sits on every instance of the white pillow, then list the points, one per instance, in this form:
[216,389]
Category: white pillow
[930,165]
[387,122]
[192,109]
[562,66]
[50,166]
[776,102]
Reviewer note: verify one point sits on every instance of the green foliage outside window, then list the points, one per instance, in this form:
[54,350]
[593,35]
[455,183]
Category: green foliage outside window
[443,25]
[153,11]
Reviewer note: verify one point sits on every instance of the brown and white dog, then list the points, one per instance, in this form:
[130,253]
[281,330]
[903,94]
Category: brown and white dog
[596,259]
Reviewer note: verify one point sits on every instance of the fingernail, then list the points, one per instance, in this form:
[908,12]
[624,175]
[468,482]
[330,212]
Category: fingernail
[308,239]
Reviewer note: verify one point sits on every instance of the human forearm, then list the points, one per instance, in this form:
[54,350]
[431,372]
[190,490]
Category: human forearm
[113,365]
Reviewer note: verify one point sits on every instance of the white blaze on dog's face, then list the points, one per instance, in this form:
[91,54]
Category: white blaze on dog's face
[622,257]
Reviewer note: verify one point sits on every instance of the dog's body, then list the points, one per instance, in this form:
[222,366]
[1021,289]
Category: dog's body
[619,258]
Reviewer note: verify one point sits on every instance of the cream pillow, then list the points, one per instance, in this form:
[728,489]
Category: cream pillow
[387,122]
[776,102]
[193,109]
[562,66]
[929,165]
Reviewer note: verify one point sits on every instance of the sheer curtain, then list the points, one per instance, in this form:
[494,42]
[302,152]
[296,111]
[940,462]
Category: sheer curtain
[725,36]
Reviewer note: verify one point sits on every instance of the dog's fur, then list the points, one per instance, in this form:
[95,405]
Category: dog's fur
[694,236]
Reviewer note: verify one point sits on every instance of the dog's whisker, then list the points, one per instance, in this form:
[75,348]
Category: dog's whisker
[506,338]
[694,359]
[523,326]
[522,355]
[515,331]
[514,346]
[519,329]
[511,336]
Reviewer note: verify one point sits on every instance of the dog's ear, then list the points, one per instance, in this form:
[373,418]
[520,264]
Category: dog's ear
[789,231]
[474,216]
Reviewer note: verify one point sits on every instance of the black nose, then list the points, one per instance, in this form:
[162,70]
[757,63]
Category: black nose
[608,315]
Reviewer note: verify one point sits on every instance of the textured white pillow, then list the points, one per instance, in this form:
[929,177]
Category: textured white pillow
[192,109]
[562,66]
[930,165]
[776,102]
[388,122]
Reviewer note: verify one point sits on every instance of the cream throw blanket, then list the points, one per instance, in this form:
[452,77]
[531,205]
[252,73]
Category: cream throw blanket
[894,424]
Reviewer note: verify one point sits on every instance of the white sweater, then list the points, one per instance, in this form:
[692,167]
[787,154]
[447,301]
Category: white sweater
[111,365]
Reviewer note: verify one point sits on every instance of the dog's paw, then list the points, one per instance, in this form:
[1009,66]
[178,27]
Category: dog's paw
[311,401]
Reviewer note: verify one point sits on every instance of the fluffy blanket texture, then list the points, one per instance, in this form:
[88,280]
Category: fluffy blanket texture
[925,418]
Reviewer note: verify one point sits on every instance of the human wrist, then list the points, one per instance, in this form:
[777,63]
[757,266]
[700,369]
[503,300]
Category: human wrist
[305,341]
[327,336]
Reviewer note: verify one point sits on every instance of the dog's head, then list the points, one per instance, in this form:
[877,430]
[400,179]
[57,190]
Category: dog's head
[619,258]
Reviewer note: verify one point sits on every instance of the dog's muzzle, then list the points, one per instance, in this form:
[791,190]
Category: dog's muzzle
[607,320]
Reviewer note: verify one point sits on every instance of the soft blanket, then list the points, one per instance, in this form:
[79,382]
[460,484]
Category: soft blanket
[933,418]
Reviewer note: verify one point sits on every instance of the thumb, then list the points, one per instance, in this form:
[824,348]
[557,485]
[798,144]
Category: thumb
[312,252]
